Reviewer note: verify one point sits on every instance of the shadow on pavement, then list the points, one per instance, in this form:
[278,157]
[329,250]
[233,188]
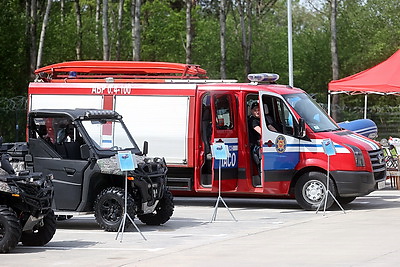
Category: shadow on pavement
[56,245]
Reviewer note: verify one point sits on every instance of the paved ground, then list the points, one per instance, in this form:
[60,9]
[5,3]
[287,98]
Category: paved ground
[267,233]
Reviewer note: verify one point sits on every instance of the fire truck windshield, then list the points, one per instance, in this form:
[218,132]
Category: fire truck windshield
[109,134]
[311,112]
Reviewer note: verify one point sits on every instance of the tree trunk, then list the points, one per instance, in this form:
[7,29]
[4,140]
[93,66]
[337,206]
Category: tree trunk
[335,58]
[43,33]
[62,7]
[189,31]
[222,23]
[119,27]
[244,9]
[78,46]
[28,38]
[96,29]
[32,34]
[135,13]
[106,46]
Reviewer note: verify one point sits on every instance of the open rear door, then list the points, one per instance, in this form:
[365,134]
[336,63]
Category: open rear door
[224,128]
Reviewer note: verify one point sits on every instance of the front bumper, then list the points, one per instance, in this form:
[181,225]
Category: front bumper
[354,184]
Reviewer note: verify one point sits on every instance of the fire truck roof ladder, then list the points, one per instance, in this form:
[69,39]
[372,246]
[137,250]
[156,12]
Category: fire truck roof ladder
[121,71]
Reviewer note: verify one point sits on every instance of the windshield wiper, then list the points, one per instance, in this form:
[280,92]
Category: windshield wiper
[332,130]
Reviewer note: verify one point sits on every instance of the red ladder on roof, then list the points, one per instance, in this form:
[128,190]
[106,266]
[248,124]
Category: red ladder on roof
[122,69]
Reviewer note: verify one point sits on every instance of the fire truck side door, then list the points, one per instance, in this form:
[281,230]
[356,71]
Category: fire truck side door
[280,148]
[224,128]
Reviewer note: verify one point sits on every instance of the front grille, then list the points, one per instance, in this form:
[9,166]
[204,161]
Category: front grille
[378,164]
[151,168]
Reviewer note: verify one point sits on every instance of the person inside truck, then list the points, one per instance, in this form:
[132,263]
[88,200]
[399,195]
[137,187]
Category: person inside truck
[255,130]
[42,132]
[65,133]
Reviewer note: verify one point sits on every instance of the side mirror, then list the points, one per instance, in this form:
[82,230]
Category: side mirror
[85,152]
[145,148]
[301,128]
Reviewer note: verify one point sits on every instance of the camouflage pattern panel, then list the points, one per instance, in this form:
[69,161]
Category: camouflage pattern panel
[4,187]
[109,166]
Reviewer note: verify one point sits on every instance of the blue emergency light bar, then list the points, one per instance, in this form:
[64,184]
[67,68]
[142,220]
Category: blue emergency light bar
[263,77]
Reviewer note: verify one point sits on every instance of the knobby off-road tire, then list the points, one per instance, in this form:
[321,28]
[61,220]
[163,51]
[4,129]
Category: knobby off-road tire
[10,229]
[109,208]
[162,212]
[311,189]
[40,235]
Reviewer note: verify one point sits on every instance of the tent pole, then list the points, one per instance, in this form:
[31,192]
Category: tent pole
[365,105]
[329,103]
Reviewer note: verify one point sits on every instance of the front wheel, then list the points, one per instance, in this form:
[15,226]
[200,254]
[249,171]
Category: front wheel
[311,189]
[109,208]
[10,229]
[42,233]
[162,213]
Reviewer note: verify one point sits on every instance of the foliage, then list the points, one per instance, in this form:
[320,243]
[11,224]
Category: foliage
[13,50]
[163,32]
[368,33]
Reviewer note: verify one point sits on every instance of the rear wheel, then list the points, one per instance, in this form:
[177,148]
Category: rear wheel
[10,229]
[162,212]
[109,208]
[311,189]
[42,233]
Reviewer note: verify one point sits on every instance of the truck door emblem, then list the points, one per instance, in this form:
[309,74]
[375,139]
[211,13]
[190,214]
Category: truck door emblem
[280,144]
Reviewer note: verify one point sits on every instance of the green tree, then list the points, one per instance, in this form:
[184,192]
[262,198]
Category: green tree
[163,32]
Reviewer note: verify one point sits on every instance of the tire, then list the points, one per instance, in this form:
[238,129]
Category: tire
[10,229]
[162,212]
[109,209]
[345,200]
[41,233]
[310,191]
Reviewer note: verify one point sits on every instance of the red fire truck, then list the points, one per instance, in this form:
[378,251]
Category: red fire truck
[181,113]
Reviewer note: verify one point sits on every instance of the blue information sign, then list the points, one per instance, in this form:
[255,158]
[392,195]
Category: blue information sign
[126,161]
[329,147]
[220,151]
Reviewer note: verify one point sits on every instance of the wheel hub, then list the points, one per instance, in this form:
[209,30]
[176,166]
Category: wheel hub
[314,191]
[111,211]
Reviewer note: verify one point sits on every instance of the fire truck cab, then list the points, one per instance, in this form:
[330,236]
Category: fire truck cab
[181,113]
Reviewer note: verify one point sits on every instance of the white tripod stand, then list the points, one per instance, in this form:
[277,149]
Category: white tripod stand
[220,152]
[329,150]
[126,163]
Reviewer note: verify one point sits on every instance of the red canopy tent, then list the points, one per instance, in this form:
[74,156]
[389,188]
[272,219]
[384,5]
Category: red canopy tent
[383,78]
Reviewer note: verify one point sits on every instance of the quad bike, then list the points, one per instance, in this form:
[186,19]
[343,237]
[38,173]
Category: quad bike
[25,206]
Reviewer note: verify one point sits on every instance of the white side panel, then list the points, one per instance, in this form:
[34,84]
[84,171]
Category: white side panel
[66,101]
[160,120]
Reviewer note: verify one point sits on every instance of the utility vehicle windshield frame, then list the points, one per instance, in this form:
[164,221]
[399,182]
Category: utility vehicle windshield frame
[109,134]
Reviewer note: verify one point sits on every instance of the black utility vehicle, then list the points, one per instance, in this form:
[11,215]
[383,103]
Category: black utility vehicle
[25,205]
[79,147]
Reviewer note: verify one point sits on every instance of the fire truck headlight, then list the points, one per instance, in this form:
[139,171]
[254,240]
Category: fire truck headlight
[358,156]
